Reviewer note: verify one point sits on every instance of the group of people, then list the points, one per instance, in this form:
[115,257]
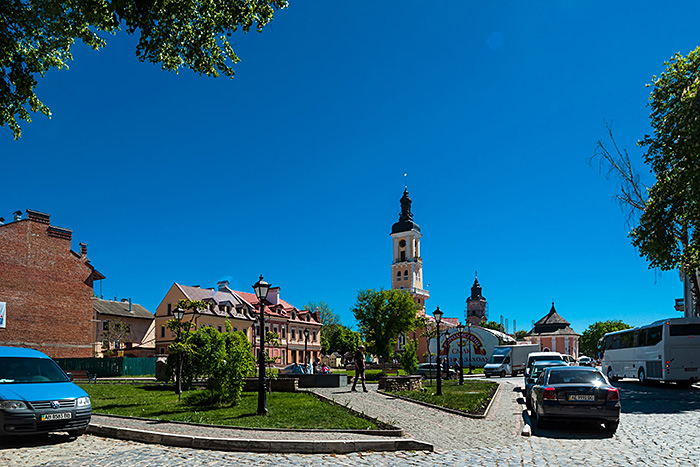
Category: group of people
[308,369]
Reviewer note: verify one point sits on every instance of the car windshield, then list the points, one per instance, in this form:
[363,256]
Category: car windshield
[576,377]
[496,359]
[30,370]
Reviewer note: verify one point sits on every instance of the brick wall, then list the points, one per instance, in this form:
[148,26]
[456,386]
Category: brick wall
[47,288]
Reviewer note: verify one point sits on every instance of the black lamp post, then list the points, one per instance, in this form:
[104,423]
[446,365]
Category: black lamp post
[469,325]
[438,317]
[261,288]
[306,343]
[179,313]
[460,329]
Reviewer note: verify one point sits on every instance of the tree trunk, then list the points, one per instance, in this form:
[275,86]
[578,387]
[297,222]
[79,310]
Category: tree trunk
[695,292]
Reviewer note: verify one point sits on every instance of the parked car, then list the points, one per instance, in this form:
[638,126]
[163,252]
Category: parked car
[293,369]
[586,361]
[540,356]
[429,370]
[535,371]
[575,393]
[569,359]
[37,396]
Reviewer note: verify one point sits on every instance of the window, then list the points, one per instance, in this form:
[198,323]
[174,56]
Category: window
[161,350]
[625,340]
[283,333]
[690,329]
[105,325]
[405,274]
[403,256]
[170,308]
[219,328]
[235,329]
[293,334]
[398,275]
[654,335]
[314,336]
[162,331]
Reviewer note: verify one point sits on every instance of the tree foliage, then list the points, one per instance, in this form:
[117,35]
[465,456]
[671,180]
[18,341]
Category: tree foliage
[328,317]
[590,337]
[222,359]
[492,325]
[339,338]
[383,314]
[116,333]
[37,35]
[409,357]
[667,214]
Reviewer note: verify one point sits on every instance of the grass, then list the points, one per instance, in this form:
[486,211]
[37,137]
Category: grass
[473,397]
[285,410]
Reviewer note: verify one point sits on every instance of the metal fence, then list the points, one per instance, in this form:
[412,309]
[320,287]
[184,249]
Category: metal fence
[104,367]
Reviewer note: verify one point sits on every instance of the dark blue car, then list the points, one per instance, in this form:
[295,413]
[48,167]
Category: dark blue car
[575,393]
[36,395]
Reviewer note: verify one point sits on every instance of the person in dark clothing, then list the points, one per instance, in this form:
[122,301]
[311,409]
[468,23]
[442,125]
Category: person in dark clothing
[359,368]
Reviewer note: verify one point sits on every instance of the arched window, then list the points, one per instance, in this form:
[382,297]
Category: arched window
[405,274]
[398,275]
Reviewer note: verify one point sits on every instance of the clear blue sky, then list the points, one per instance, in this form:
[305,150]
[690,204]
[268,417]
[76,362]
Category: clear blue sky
[294,169]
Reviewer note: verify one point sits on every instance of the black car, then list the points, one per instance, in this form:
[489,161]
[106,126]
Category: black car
[575,393]
[535,370]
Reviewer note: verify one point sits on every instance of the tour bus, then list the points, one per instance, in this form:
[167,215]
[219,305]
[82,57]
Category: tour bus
[666,350]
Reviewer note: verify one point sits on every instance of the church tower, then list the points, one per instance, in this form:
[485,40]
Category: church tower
[477,307]
[407,267]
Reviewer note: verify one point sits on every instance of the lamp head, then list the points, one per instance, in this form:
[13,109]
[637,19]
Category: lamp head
[178,313]
[261,288]
[438,315]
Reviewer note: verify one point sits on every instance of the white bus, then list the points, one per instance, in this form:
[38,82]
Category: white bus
[666,350]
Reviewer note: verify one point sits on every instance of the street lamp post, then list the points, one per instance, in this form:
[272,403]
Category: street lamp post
[261,288]
[460,329]
[306,344]
[179,313]
[469,325]
[438,317]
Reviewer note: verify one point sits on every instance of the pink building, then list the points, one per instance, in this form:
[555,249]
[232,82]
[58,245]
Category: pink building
[553,334]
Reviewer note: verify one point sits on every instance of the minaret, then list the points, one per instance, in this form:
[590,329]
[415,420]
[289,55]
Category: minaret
[407,267]
[476,304]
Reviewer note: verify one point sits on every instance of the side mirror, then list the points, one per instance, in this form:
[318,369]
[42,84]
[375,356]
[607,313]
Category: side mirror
[70,375]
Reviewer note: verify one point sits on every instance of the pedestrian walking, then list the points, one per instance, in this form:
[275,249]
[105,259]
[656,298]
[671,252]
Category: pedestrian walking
[360,368]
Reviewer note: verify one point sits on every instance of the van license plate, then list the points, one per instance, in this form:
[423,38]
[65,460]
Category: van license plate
[581,397]
[55,416]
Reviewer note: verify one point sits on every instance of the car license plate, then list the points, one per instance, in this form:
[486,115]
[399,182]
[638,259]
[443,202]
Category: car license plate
[581,397]
[55,416]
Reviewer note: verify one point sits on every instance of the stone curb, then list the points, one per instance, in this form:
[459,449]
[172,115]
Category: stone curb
[446,409]
[258,445]
[396,432]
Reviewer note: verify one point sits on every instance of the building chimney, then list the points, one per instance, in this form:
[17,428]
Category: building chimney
[273,295]
[18,215]
[83,249]
[222,285]
[37,216]
[131,309]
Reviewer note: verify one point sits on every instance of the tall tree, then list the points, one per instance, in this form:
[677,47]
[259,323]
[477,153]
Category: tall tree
[114,334]
[383,314]
[328,317]
[667,215]
[590,337]
[37,35]
[339,339]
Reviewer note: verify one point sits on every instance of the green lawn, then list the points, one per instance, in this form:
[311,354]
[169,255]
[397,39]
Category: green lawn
[285,410]
[473,397]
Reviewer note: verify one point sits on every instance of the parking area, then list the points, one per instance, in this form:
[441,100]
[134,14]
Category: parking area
[658,428]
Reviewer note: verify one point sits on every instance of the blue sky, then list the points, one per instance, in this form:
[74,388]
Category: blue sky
[294,169]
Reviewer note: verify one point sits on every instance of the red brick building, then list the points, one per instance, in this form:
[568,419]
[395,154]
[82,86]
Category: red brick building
[46,288]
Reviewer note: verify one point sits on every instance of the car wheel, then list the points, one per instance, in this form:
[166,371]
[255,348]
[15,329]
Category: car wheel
[611,377]
[642,376]
[77,433]
[503,373]
[612,426]
[486,375]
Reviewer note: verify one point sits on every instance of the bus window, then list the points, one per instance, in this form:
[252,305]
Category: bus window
[642,337]
[615,342]
[625,340]
[684,330]
[635,339]
[654,335]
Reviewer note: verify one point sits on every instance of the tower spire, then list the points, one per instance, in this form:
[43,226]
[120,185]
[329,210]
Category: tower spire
[405,181]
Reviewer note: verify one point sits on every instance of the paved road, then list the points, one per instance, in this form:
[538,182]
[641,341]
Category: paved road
[659,427]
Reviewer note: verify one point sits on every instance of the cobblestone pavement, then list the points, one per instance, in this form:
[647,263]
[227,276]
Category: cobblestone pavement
[659,427]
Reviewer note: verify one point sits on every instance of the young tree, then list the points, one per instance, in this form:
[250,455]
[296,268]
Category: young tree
[115,333]
[383,314]
[520,335]
[37,36]
[590,337]
[409,357]
[667,215]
